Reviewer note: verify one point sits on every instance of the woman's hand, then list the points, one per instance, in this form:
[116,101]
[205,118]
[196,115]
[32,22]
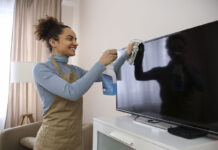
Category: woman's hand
[130,48]
[108,57]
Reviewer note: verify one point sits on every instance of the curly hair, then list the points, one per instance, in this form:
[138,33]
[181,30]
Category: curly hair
[48,28]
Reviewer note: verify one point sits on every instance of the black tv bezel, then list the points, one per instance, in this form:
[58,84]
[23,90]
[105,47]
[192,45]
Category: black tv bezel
[180,122]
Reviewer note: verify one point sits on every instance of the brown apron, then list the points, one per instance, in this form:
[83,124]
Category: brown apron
[62,123]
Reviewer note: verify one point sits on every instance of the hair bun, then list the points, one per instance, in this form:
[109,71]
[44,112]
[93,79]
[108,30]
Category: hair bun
[45,26]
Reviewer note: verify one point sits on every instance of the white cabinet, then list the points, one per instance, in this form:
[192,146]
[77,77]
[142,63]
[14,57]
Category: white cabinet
[122,133]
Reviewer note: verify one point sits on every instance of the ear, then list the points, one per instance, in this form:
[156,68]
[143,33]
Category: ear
[52,42]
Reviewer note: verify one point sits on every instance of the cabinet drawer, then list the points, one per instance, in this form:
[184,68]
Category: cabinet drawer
[105,142]
[146,145]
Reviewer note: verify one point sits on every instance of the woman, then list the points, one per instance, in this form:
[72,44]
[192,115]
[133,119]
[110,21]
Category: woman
[61,86]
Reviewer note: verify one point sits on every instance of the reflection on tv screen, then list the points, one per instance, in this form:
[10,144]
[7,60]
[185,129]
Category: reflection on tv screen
[175,78]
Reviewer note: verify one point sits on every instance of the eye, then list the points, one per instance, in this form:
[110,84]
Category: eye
[69,38]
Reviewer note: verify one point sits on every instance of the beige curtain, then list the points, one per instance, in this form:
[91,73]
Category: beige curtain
[25,48]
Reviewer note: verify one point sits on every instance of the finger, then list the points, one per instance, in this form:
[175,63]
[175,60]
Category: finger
[113,56]
[113,51]
[131,44]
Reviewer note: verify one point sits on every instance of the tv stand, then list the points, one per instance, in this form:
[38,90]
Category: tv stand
[124,133]
[186,132]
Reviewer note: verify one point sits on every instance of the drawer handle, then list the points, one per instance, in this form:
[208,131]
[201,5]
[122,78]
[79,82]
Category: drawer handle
[122,138]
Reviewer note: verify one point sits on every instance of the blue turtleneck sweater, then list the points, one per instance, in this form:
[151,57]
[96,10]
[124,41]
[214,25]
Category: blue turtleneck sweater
[49,84]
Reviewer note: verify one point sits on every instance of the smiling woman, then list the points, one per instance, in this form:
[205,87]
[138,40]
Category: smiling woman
[61,86]
[6,16]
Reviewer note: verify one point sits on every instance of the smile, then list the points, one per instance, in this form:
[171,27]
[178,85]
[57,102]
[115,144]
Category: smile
[73,48]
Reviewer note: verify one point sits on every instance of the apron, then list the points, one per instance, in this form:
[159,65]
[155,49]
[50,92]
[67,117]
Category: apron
[62,123]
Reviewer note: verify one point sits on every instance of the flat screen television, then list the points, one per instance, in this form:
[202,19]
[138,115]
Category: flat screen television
[174,79]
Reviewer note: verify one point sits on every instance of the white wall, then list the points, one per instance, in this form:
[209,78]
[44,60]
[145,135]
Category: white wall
[113,23]
[70,17]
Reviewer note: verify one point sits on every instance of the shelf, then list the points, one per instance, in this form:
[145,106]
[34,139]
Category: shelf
[136,135]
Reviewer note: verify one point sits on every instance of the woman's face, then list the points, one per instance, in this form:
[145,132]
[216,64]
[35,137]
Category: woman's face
[66,44]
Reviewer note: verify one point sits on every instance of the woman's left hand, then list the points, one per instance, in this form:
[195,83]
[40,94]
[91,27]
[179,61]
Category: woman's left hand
[130,48]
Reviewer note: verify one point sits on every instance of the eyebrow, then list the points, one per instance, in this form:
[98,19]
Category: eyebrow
[71,36]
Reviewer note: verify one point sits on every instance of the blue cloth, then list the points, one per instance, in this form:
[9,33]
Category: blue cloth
[49,84]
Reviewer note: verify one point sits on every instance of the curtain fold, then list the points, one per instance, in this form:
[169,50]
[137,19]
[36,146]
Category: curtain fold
[6,16]
[25,48]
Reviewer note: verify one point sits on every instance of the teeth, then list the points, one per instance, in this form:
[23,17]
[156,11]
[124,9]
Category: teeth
[72,48]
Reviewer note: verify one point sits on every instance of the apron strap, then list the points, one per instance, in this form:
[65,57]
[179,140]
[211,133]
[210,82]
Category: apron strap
[56,65]
[68,66]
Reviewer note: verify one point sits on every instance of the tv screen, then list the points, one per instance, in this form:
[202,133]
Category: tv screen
[174,79]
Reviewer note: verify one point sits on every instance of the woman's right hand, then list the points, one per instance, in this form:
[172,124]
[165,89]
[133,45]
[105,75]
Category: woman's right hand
[108,57]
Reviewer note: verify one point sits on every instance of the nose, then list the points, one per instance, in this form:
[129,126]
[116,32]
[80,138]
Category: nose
[75,43]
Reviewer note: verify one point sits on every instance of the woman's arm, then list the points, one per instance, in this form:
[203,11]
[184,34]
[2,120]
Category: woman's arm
[119,62]
[50,81]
